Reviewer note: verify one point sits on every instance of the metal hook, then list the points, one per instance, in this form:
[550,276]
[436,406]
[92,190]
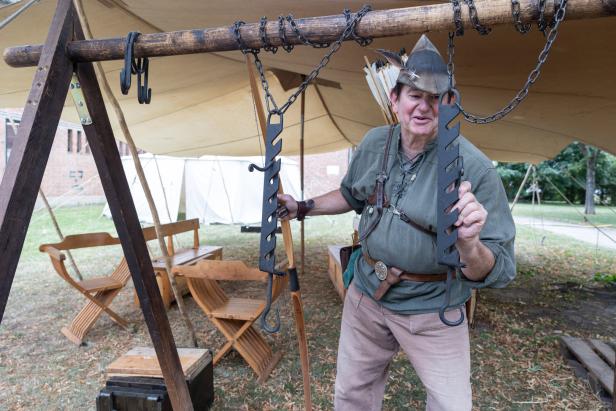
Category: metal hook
[139,67]
[253,166]
[264,325]
[129,62]
[445,306]
[144,94]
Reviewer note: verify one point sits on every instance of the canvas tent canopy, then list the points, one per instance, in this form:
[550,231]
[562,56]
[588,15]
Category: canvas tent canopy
[198,99]
[211,188]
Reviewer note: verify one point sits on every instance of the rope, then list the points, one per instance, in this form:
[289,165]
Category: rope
[13,16]
[578,211]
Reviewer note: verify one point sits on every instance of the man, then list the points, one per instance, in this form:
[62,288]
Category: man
[378,317]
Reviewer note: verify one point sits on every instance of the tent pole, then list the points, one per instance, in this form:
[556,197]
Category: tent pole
[301,172]
[142,179]
[517,195]
[375,24]
[13,16]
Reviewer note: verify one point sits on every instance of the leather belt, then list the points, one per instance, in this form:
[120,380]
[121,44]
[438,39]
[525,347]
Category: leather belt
[392,275]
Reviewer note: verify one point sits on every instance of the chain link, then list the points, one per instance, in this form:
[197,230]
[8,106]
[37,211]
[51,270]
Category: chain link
[533,76]
[517,19]
[474,16]
[542,23]
[267,46]
[349,32]
[457,17]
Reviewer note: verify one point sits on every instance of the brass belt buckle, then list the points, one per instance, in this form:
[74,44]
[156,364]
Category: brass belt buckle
[380,270]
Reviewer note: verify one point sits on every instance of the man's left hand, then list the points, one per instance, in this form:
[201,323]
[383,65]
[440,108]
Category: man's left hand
[472,216]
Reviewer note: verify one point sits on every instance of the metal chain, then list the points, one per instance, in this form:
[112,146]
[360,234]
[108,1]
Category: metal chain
[362,41]
[457,17]
[301,37]
[542,23]
[282,33]
[349,32]
[267,46]
[450,65]
[517,19]
[533,76]
[472,10]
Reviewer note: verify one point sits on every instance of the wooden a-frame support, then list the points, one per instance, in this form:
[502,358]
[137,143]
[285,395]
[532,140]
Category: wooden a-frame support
[56,61]
[24,173]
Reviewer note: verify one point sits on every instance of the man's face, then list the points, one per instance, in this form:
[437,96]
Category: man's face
[417,111]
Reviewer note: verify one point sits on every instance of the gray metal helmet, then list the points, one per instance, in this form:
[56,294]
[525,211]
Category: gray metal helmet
[424,69]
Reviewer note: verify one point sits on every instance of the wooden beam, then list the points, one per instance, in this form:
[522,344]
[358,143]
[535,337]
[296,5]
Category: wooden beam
[29,156]
[379,23]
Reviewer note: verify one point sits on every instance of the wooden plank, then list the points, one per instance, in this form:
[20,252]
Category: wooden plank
[378,23]
[30,153]
[584,353]
[187,255]
[109,165]
[605,350]
[222,270]
[142,361]
[172,228]
[240,309]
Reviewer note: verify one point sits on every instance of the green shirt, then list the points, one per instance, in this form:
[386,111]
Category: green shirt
[411,187]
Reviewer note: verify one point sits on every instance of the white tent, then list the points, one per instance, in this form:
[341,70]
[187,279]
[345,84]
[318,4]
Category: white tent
[213,189]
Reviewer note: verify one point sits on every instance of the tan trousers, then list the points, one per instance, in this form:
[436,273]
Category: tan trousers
[370,336]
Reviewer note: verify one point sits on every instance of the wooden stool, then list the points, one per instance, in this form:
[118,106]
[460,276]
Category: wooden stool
[135,381]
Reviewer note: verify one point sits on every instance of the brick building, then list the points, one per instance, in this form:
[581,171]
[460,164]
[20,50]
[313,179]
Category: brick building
[70,176]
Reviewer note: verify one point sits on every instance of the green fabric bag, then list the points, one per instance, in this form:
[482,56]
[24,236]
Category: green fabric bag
[347,275]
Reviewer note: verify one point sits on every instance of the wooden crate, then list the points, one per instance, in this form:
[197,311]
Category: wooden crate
[592,359]
[335,269]
[134,381]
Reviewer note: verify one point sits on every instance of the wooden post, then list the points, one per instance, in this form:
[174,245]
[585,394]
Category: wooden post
[376,24]
[301,173]
[29,156]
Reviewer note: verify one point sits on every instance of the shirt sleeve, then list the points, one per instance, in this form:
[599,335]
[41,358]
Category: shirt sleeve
[498,234]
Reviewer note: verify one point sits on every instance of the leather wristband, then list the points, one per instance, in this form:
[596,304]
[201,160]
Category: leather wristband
[303,207]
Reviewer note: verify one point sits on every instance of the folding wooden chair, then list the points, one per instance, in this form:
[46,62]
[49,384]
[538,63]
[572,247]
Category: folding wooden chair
[100,291]
[233,316]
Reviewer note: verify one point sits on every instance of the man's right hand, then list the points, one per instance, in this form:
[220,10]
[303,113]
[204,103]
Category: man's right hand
[287,207]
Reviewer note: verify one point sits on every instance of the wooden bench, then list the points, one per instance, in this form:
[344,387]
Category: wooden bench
[179,257]
[100,291]
[234,316]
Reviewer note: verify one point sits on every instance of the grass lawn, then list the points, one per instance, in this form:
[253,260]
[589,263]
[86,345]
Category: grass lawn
[516,363]
[566,213]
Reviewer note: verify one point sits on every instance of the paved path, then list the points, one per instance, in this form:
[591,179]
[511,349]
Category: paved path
[588,234]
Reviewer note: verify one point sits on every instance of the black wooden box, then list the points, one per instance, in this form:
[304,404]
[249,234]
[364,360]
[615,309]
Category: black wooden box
[139,393]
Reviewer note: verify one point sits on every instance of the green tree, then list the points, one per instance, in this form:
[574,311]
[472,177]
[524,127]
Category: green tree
[568,172]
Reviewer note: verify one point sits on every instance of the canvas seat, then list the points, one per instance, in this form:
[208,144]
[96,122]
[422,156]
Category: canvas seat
[233,316]
[99,291]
